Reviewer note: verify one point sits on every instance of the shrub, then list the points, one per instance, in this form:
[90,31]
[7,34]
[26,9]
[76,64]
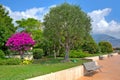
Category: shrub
[10,61]
[90,47]
[2,54]
[26,62]
[13,61]
[20,42]
[37,53]
[78,54]
[74,54]
[105,47]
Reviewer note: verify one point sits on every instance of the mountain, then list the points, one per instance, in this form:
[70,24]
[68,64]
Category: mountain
[103,37]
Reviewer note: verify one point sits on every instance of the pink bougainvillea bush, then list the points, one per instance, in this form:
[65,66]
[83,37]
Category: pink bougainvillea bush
[20,42]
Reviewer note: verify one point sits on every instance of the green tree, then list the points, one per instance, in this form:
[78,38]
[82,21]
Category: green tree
[105,47]
[29,24]
[6,27]
[66,24]
[32,26]
[90,45]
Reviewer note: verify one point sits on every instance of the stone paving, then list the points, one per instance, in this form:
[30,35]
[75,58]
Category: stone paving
[110,70]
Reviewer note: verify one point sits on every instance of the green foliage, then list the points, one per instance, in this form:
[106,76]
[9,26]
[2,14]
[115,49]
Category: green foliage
[78,54]
[37,35]
[90,47]
[10,61]
[66,25]
[74,54]
[2,54]
[37,53]
[6,27]
[29,24]
[24,62]
[32,26]
[105,47]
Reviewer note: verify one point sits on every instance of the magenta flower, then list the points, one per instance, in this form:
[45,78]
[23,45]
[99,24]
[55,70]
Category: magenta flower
[20,42]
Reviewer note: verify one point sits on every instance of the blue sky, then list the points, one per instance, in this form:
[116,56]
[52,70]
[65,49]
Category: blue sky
[104,13]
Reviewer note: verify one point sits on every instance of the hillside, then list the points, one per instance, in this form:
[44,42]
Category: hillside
[103,37]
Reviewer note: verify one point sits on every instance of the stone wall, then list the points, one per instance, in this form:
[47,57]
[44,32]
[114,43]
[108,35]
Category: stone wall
[68,74]
[26,56]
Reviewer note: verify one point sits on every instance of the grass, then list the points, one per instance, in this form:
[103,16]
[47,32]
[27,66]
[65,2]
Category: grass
[41,67]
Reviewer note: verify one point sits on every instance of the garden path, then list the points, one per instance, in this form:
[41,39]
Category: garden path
[110,70]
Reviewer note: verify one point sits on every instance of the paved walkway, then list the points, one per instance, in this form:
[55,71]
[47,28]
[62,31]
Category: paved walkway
[110,70]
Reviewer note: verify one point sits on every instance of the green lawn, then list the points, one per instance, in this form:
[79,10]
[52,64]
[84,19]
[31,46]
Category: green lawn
[21,72]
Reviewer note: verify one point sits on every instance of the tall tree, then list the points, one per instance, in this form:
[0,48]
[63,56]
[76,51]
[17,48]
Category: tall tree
[6,27]
[66,24]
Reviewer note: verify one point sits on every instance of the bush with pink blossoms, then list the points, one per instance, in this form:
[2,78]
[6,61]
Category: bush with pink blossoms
[20,42]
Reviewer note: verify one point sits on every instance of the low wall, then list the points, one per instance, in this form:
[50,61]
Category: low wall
[105,56]
[115,53]
[26,56]
[95,58]
[68,74]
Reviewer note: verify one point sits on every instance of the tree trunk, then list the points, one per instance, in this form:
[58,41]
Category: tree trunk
[58,53]
[67,49]
[55,54]
[21,54]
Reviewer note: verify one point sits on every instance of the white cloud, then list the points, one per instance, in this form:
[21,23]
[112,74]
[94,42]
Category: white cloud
[36,13]
[52,6]
[101,25]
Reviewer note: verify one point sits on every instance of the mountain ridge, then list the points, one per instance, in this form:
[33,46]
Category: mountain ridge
[104,37]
